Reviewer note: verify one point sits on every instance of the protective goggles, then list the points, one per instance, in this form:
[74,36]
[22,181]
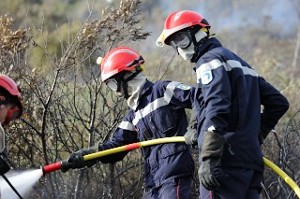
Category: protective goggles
[181,40]
[115,82]
[112,84]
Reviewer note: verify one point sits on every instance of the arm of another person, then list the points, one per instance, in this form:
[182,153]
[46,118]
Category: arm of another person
[179,94]
[182,96]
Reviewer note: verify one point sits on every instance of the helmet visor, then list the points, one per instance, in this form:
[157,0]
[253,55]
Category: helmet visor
[181,40]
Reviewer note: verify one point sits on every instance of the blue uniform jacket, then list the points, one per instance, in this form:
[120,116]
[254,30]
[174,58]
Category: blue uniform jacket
[229,98]
[160,113]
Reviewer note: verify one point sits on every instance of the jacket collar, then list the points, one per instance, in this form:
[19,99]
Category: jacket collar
[145,88]
[210,44]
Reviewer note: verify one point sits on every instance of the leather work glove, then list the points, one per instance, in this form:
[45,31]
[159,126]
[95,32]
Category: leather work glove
[191,135]
[76,160]
[213,145]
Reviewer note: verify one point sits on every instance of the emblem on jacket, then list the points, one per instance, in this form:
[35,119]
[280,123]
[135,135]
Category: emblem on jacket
[183,87]
[206,77]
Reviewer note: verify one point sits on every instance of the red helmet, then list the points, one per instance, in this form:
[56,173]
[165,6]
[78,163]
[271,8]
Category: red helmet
[119,59]
[179,20]
[11,87]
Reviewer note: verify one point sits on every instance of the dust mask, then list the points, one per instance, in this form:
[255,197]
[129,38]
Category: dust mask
[134,88]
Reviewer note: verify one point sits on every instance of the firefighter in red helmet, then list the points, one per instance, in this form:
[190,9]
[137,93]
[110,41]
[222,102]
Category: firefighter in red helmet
[10,100]
[191,29]
[230,124]
[156,110]
[10,109]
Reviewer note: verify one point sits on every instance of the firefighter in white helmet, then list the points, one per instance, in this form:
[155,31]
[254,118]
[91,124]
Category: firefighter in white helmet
[156,110]
[228,101]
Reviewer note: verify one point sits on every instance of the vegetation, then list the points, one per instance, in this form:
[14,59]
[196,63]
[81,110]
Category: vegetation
[51,52]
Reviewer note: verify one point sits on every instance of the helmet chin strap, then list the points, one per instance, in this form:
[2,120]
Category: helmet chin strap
[123,83]
[198,38]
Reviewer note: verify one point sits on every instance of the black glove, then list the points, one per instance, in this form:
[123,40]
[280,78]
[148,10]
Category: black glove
[213,145]
[76,160]
[206,174]
[191,135]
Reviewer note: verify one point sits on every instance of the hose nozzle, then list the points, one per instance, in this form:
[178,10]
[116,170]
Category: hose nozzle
[55,166]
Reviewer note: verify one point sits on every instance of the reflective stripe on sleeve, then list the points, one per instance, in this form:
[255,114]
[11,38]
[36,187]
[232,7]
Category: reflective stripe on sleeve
[228,65]
[126,126]
[159,102]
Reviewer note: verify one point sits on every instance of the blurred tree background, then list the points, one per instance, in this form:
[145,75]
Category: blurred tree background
[50,47]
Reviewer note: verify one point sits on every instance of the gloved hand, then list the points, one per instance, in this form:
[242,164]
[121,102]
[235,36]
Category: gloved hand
[213,145]
[191,135]
[76,160]
[206,174]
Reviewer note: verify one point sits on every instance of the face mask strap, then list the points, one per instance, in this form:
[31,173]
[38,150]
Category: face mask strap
[174,46]
[124,85]
[121,83]
[193,31]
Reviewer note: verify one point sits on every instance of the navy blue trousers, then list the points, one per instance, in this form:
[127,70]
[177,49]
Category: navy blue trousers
[178,188]
[236,183]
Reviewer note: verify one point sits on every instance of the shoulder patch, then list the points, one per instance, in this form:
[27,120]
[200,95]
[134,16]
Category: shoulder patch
[183,87]
[206,77]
